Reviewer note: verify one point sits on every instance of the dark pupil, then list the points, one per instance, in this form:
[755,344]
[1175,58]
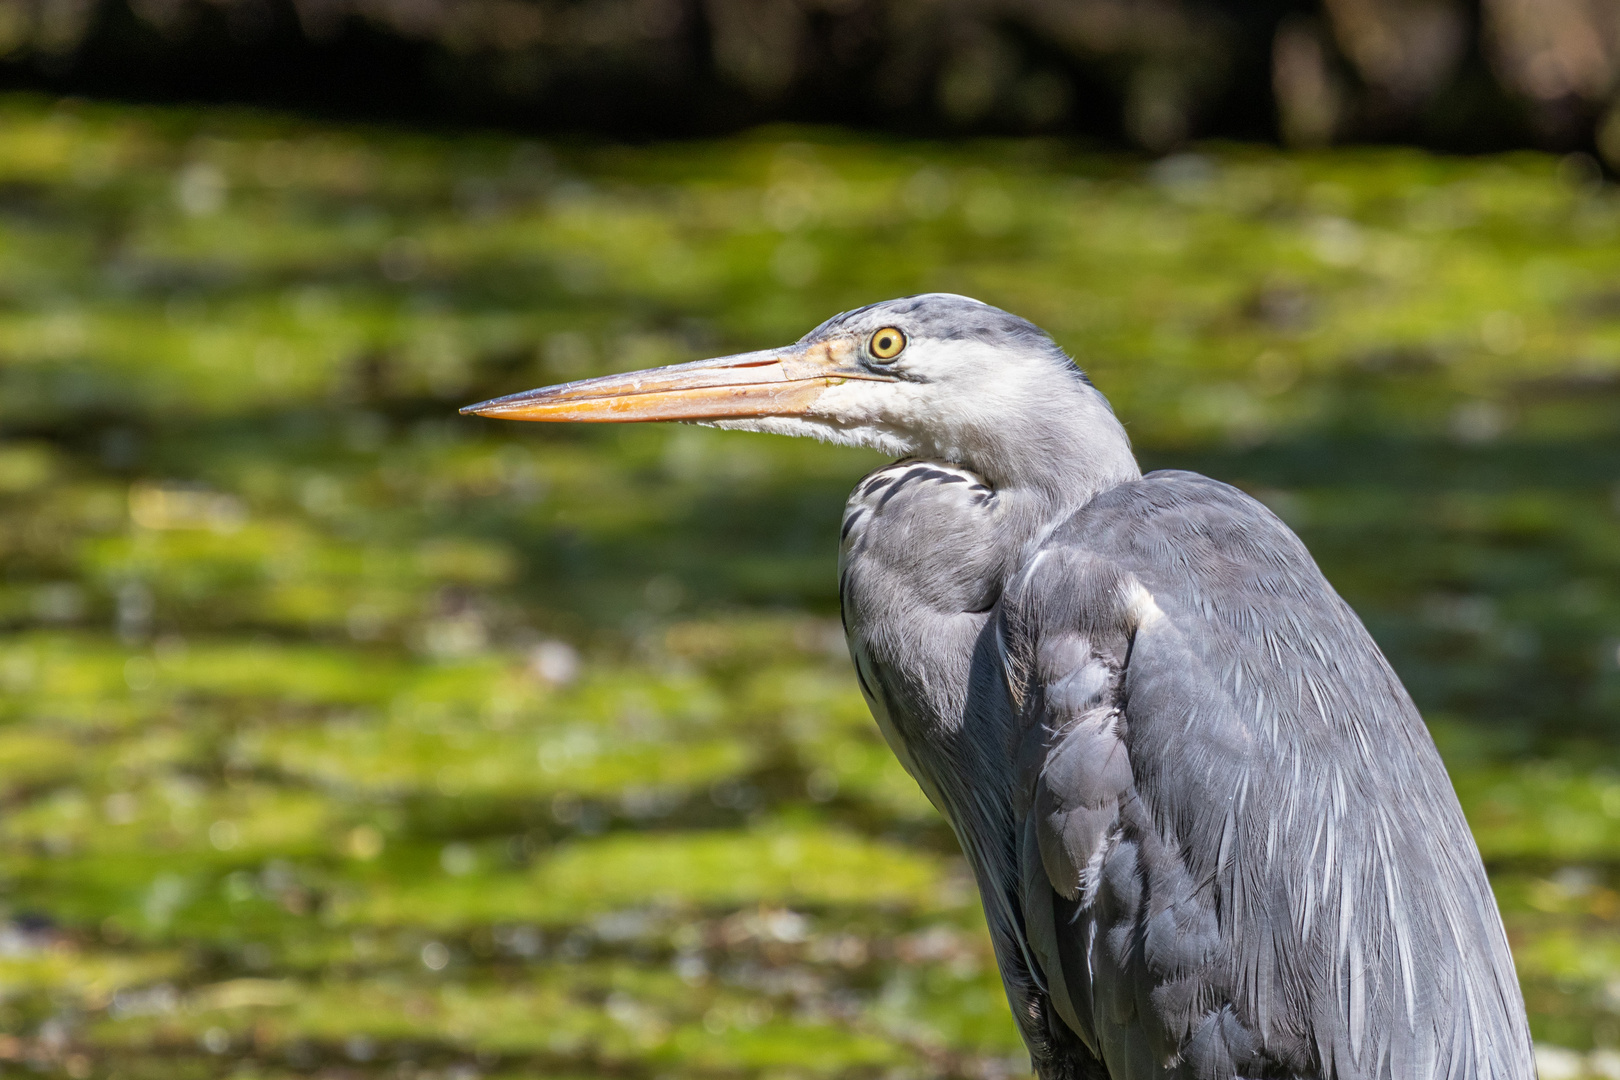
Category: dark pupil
[884,342]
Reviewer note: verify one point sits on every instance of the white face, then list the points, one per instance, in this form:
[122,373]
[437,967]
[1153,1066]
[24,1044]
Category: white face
[942,397]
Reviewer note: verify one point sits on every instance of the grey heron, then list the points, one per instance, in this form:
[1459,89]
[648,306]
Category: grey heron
[1211,834]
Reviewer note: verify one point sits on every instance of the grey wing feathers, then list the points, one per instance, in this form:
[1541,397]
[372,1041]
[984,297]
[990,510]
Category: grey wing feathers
[1252,859]
[1087,771]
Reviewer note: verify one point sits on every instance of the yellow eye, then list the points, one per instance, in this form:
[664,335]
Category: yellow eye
[887,343]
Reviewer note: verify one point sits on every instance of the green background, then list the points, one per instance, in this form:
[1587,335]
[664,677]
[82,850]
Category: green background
[342,735]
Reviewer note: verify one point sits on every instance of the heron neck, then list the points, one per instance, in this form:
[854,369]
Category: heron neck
[1074,451]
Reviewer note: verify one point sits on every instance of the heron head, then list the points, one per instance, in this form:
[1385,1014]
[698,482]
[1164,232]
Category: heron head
[936,375]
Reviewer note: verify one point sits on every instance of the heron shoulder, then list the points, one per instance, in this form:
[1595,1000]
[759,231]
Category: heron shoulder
[1239,593]
[1173,506]
[1203,552]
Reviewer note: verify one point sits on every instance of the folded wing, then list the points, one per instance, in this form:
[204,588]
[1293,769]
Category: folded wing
[1240,854]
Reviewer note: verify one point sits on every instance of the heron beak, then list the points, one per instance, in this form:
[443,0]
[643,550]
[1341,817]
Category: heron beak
[775,382]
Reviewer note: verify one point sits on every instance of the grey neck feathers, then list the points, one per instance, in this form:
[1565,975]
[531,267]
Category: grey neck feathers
[1072,449]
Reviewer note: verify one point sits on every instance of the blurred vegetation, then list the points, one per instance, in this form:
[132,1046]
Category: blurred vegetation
[1457,75]
[342,735]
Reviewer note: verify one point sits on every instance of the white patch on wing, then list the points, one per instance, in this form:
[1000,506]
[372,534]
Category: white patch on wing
[1140,607]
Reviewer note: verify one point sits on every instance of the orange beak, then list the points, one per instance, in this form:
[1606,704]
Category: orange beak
[775,382]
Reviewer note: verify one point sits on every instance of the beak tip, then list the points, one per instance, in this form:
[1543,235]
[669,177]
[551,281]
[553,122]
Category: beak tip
[505,407]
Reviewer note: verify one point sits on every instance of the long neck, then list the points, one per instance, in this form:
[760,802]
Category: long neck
[1071,449]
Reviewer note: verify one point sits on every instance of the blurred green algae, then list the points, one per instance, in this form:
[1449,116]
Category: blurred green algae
[341,735]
